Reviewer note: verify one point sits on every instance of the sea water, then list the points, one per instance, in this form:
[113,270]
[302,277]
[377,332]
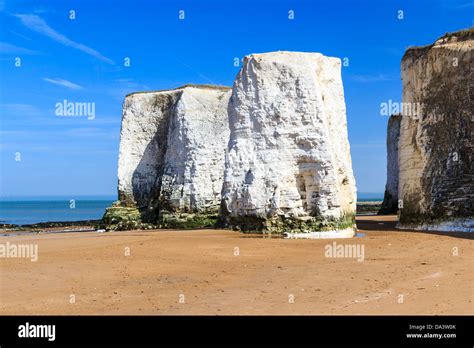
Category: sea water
[24,212]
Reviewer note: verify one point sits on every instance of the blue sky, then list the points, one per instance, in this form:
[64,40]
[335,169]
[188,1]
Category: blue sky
[82,60]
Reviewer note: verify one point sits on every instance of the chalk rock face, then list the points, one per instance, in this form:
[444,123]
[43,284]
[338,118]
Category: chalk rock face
[390,200]
[288,165]
[197,140]
[436,183]
[172,150]
[143,145]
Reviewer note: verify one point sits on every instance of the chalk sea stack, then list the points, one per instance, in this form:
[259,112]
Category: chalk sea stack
[270,155]
[288,166]
[390,199]
[171,158]
[436,176]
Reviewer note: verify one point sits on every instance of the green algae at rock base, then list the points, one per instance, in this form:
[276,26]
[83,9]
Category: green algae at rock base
[123,216]
[281,224]
[120,217]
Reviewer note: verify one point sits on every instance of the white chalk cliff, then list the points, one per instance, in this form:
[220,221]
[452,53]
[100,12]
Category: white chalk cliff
[288,166]
[390,200]
[172,150]
[436,182]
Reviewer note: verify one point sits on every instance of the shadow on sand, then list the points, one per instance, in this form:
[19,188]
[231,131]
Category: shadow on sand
[374,223]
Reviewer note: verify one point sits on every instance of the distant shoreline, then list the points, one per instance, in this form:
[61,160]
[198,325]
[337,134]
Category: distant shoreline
[51,213]
[365,206]
[368,207]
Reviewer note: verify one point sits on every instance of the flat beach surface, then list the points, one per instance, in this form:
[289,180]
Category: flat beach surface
[225,272]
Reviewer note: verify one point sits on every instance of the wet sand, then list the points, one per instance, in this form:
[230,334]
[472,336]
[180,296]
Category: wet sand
[225,272]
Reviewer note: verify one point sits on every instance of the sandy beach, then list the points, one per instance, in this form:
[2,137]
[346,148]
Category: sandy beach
[224,272]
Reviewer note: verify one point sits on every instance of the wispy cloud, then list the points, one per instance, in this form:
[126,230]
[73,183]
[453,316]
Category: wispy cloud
[13,109]
[372,78]
[6,48]
[123,86]
[20,35]
[38,25]
[63,83]
[467,4]
[457,5]
[196,72]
